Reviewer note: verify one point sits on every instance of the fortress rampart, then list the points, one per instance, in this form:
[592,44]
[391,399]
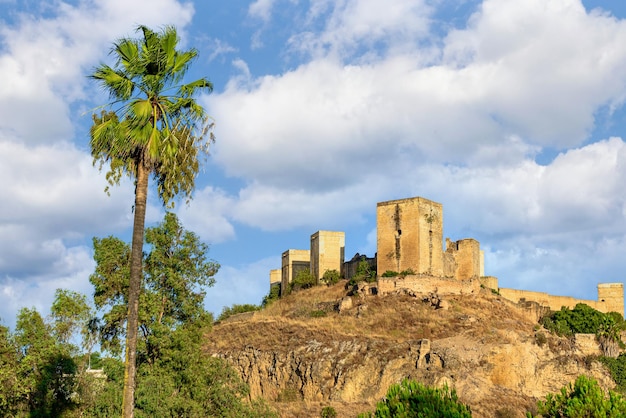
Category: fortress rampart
[610,298]
[409,241]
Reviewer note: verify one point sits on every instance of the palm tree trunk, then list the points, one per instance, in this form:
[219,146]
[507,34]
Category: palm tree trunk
[136,273]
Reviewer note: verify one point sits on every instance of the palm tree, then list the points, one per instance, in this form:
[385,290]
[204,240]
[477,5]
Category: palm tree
[154,127]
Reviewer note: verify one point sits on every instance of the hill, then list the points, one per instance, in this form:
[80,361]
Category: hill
[320,347]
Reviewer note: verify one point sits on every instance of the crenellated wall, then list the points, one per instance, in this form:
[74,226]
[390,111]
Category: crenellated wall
[410,237]
[610,298]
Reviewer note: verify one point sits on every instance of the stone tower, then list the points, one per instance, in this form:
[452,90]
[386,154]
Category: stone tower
[410,236]
[612,296]
[293,261]
[327,252]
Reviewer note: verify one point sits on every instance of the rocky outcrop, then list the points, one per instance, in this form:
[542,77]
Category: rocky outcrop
[501,365]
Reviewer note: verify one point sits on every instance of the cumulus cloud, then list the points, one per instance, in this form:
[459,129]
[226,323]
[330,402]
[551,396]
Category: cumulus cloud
[43,60]
[517,79]
[53,197]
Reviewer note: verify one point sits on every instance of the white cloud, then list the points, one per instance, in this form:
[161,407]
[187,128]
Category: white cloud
[353,24]
[53,198]
[208,215]
[261,9]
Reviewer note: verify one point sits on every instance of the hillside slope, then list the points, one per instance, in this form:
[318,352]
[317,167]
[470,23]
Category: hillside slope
[303,353]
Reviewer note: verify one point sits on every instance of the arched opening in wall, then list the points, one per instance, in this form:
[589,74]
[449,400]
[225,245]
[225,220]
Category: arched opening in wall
[602,300]
[399,232]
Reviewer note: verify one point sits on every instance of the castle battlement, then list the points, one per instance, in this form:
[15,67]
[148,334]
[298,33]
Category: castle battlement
[410,240]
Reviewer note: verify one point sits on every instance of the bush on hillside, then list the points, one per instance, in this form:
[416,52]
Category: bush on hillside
[364,272]
[617,367]
[412,399]
[331,277]
[304,280]
[582,319]
[237,309]
[585,398]
[273,295]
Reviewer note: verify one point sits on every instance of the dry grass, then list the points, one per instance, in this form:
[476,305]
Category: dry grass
[312,315]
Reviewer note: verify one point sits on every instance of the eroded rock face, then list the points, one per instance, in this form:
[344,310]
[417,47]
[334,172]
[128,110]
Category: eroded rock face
[486,376]
[500,368]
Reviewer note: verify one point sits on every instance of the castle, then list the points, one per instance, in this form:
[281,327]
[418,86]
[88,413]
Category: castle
[409,241]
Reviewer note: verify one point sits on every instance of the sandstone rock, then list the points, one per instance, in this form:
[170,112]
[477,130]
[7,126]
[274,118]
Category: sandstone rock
[345,303]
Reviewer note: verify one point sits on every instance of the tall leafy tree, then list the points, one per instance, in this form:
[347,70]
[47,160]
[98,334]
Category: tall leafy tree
[174,376]
[155,127]
[176,275]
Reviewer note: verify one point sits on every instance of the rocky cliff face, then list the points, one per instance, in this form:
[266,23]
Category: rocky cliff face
[302,354]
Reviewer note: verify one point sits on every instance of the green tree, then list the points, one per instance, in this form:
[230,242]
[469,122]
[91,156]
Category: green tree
[46,368]
[175,278]
[12,388]
[157,129]
[71,315]
[412,399]
[174,376]
[584,399]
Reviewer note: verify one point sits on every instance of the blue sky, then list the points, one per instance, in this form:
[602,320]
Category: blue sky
[511,114]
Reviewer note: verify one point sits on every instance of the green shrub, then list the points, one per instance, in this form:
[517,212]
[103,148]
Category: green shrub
[583,319]
[331,277]
[412,399]
[617,367]
[304,280]
[407,272]
[540,339]
[236,309]
[317,314]
[390,273]
[585,398]
[273,295]
[364,272]
[328,412]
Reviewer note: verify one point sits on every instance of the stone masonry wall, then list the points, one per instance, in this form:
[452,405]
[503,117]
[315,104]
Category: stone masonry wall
[614,303]
[276,276]
[291,259]
[410,236]
[327,252]
[612,295]
[428,284]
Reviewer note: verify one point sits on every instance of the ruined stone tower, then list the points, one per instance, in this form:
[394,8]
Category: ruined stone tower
[410,236]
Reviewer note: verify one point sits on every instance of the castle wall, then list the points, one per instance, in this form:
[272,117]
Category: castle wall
[410,236]
[293,261]
[350,267]
[610,298]
[612,295]
[468,259]
[489,282]
[327,252]
[428,284]
[276,276]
